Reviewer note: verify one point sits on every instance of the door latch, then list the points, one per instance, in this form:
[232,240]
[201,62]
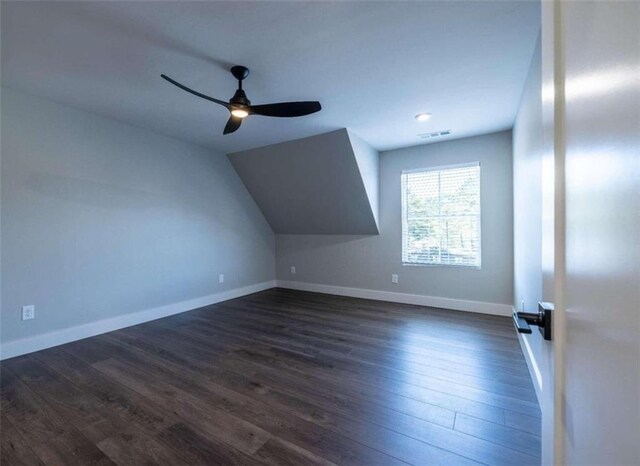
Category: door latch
[541,319]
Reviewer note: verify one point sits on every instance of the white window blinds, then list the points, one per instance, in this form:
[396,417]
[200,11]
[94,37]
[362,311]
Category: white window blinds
[441,216]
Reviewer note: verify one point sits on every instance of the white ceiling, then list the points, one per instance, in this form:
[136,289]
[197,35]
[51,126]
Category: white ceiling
[372,65]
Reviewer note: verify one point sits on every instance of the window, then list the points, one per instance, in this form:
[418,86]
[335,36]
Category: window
[441,216]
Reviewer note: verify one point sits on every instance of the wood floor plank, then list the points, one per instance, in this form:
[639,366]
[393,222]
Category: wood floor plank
[71,448]
[14,449]
[476,358]
[279,452]
[326,331]
[279,377]
[502,435]
[505,347]
[286,334]
[134,446]
[74,405]
[472,376]
[321,442]
[418,401]
[362,314]
[359,367]
[390,381]
[477,361]
[27,412]
[194,448]
[118,398]
[402,447]
[320,409]
[316,405]
[238,433]
[428,405]
[520,421]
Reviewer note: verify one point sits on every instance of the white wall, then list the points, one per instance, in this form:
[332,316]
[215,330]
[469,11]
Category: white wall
[368,261]
[528,138]
[101,220]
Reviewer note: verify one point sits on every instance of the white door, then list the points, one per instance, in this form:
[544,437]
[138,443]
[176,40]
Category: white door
[591,94]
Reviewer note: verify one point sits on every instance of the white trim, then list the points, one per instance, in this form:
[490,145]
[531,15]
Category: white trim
[404,298]
[442,167]
[532,364]
[14,348]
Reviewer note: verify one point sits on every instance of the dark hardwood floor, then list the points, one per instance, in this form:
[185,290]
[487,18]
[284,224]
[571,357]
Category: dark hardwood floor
[278,377]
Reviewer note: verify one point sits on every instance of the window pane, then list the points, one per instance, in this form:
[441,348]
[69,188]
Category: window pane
[422,192]
[461,240]
[423,241]
[459,191]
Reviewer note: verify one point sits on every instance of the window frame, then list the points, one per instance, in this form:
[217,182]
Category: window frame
[403,209]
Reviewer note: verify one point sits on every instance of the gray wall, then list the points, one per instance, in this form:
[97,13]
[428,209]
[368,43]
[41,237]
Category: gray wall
[368,261]
[316,185]
[368,160]
[527,198]
[101,219]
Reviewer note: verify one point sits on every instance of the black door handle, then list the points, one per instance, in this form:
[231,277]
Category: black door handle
[521,325]
[542,319]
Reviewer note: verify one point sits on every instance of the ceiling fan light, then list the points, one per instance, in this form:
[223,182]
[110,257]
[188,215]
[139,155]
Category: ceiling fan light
[239,113]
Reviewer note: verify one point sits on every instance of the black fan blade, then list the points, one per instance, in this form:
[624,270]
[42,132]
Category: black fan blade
[286,109]
[185,88]
[232,125]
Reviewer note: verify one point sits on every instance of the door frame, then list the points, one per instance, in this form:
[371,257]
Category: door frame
[553,228]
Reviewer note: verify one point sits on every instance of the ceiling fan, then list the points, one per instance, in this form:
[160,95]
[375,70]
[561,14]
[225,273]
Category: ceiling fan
[240,106]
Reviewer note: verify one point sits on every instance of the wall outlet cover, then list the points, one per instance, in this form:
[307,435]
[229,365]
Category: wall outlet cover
[293,269]
[394,278]
[28,312]
[221,278]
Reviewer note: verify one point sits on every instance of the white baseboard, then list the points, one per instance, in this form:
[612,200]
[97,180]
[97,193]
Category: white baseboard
[11,349]
[532,364]
[404,298]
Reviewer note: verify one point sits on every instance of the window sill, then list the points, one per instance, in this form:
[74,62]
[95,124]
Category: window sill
[457,266]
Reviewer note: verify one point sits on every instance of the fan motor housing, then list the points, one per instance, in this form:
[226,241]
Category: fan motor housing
[240,98]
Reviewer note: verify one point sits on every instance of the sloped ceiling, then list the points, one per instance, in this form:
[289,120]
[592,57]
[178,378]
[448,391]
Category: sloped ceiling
[373,65]
[325,184]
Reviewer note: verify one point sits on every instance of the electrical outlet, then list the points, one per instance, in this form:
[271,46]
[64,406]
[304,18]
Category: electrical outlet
[394,278]
[221,278]
[522,307]
[293,269]
[28,312]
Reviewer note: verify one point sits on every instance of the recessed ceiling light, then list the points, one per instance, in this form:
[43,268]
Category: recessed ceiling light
[423,116]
